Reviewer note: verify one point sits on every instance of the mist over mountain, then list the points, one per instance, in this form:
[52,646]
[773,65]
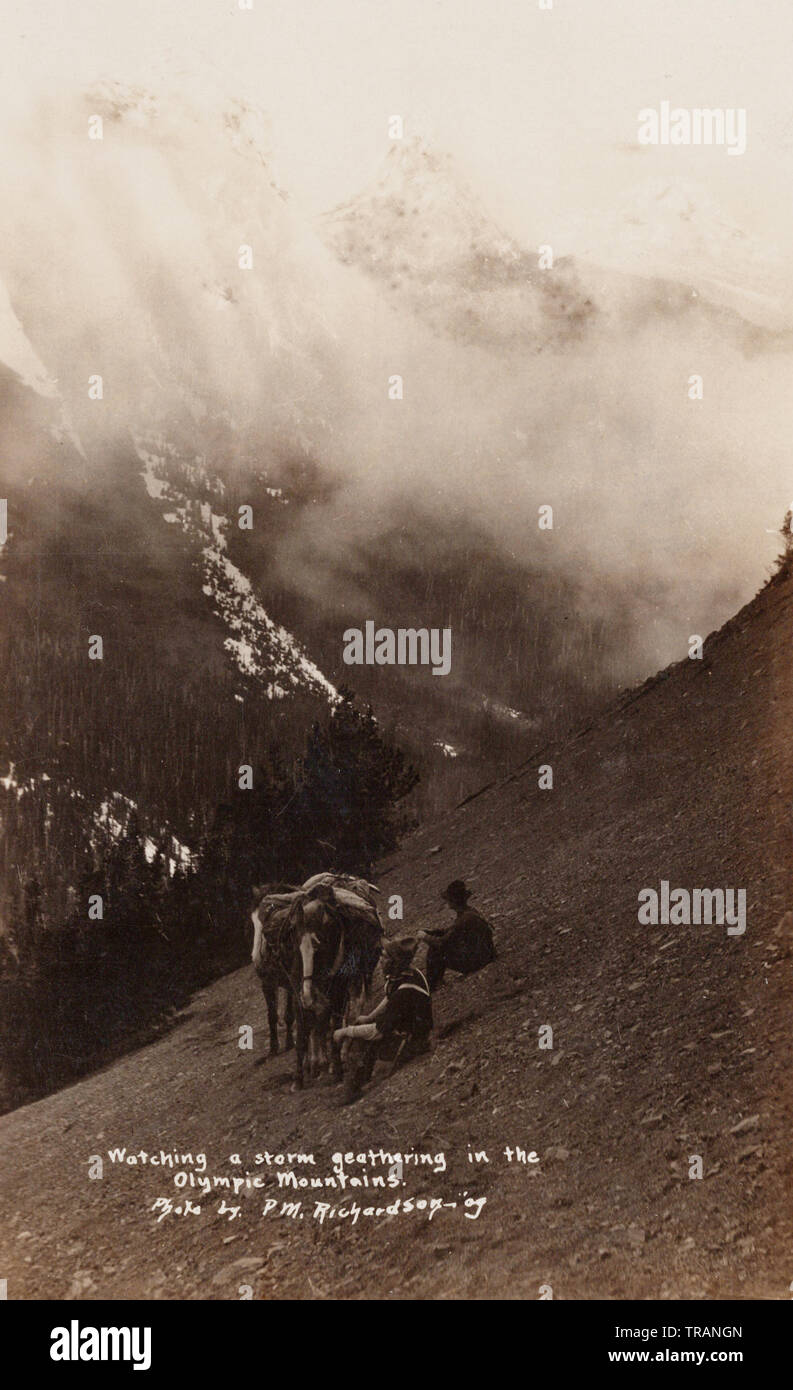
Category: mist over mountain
[675,231]
[571,385]
[424,234]
[246,359]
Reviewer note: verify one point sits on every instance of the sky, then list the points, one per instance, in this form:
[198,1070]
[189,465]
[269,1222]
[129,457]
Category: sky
[539,106]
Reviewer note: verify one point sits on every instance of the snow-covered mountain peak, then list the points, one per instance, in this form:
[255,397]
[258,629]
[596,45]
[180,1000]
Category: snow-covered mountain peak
[180,120]
[419,216]
[422,230]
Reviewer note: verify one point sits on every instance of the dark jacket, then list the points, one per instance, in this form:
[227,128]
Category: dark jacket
[466,945]
[409,1007]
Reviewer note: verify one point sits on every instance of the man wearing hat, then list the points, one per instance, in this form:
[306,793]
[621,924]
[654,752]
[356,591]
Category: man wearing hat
[466,946]
[400,1026]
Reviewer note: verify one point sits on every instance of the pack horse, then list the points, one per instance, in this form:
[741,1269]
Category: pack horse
[319,944]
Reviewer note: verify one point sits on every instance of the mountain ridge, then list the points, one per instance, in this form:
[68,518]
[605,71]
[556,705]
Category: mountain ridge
[421,229]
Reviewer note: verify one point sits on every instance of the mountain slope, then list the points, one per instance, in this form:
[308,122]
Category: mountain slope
[668,1042]
[422,232]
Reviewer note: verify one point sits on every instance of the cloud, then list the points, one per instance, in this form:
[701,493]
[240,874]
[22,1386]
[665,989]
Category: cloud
[120,257]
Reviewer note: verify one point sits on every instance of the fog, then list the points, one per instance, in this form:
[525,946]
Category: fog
[120,258]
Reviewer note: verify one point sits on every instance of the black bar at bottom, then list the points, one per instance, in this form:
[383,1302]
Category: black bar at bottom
[168,1340]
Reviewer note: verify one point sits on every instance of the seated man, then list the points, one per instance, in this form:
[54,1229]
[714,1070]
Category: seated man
[466,946]
[400,1026]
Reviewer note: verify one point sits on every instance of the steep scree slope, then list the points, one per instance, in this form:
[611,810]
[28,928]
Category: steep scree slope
[668,1042]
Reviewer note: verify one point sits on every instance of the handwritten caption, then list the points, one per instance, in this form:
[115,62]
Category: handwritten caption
[355,1185]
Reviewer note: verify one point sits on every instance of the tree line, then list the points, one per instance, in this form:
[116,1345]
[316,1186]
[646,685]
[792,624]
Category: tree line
[77,988]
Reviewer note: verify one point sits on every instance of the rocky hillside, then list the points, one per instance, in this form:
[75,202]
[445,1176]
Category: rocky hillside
[669,1042]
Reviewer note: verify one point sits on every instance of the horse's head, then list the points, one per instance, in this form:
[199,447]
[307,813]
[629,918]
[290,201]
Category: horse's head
[319,939]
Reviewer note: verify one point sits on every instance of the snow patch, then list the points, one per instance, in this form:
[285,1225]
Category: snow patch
[448,749]
[259,647]
[155,486]
[112,819]
[17,352]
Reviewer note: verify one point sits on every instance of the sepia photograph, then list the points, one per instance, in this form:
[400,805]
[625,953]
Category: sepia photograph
[396,664]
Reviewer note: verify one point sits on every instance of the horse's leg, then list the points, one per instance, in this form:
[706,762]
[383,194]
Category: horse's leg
[289,1018]
[336,1069]
[357,998]
[318,1036]
[271,1001]
[314,1050]
[326,1044]
[300,1048]
[338,1018]
[308,1025]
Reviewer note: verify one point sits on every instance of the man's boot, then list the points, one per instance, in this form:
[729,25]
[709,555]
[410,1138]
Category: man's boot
[360,1065]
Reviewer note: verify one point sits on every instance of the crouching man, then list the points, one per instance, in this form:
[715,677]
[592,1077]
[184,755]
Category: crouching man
[400,1026]
[466,946]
